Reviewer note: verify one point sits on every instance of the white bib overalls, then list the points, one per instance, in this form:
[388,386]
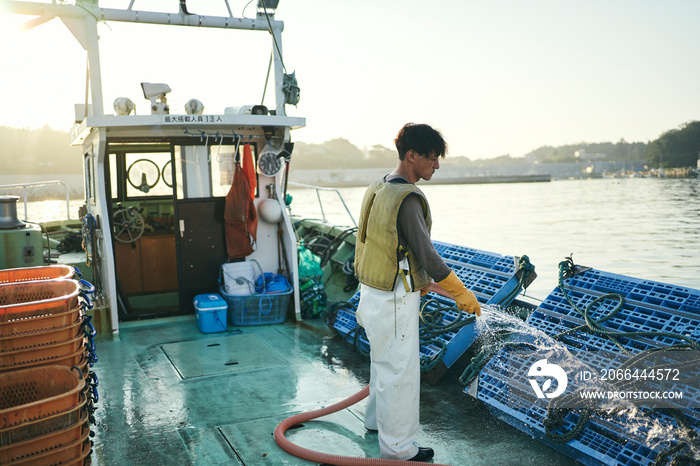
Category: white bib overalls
[390,319]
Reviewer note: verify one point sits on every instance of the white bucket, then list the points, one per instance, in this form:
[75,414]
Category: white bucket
[238,278]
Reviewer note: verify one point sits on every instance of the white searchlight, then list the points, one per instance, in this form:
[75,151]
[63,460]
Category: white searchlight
[155,92]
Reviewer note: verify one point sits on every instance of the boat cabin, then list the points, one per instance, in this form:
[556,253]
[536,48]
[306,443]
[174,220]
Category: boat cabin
[157,187]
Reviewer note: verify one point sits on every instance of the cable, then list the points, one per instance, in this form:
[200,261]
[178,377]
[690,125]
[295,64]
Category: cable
[274,39]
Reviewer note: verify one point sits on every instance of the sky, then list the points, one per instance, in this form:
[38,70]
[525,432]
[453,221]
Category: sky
[496,77]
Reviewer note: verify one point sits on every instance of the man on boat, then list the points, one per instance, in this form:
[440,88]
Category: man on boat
[394,262]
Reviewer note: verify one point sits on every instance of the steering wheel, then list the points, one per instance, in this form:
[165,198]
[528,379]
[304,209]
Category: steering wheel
[128,224]
[162,174]
[144,185]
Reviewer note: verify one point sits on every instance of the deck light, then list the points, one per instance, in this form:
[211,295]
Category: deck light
[123,106]
[194,107]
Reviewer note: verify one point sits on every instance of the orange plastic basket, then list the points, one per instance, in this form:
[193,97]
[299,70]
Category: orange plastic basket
[38,321]
[32,429]
[38,339]
[37,298]
[85,459]
[30,394]
[44,443]
[45,354]
[43,272]
[39,306]
[77,359]
[71,453]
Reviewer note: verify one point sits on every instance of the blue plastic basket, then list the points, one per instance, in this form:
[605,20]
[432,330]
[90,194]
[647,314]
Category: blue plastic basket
[258,308]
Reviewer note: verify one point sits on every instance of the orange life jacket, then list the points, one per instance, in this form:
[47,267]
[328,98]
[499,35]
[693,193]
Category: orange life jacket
[240,217]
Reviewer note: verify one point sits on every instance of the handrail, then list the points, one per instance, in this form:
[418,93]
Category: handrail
[320,203]
[24,187]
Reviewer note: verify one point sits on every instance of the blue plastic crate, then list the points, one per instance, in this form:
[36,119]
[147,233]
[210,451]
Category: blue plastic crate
[648,306]
[346,326]
[643,291]
[490,276]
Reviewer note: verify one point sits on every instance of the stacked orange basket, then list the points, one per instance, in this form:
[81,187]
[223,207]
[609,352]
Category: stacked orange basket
[47,390]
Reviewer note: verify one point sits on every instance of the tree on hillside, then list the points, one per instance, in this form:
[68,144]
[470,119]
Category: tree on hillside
[621,151]
[38,151]
[677,147]
[382,157]
[336,153]
[559,154]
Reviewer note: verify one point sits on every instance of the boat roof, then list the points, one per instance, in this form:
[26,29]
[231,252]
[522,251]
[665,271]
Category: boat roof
[181,125]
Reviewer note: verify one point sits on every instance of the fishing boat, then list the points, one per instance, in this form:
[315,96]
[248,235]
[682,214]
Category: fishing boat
[211,319]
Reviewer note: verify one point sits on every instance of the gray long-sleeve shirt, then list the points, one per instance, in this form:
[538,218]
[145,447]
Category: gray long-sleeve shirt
[414,232]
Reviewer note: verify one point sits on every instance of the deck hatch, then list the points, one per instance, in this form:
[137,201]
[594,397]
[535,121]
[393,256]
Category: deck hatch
[213,356]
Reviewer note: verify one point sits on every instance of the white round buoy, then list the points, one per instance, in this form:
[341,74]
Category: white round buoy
[270,211]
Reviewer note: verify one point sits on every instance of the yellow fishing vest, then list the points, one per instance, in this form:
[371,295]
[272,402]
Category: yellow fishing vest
[377,245]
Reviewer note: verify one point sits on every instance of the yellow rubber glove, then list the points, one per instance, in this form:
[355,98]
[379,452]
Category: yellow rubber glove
[464,298]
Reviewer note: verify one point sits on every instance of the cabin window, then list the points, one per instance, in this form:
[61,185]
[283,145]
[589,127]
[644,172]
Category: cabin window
[148,174]
[222,169]
[113,176]
[90,181]
[139,171]
[205,170]
[192,170]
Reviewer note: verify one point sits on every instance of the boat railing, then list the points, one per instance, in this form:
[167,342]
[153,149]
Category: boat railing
[25,186]
[320,202]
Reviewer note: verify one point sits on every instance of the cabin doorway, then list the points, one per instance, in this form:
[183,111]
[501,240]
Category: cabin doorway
[167,217]
[143,226]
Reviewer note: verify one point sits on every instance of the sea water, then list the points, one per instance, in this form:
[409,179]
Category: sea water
[646,228]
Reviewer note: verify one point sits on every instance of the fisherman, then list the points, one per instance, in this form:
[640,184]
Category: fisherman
[394,262]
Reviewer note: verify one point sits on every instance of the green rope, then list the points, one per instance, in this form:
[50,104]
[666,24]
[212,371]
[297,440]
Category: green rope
[426,362]
[431,327]
[594,325]
[687,456]
[484,356]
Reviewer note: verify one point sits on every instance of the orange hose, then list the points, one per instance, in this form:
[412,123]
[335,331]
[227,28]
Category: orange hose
[328,458]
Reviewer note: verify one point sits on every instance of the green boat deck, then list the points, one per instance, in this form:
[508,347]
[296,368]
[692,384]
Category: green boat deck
[171,395]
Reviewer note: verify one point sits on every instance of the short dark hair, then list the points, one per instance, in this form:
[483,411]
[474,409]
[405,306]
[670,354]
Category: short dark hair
[421,138]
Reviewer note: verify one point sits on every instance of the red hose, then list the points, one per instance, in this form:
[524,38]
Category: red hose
[328,458]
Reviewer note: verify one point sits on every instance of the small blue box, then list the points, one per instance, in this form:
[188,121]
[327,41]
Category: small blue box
[211,310]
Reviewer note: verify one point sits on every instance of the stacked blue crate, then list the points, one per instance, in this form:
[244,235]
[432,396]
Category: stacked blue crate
[490,276]
[346,323]
[647,306]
